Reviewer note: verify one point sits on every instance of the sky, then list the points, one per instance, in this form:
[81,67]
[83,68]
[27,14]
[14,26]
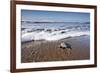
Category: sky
[54,16]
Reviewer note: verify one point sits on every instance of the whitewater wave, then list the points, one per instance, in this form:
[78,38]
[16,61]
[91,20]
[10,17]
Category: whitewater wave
[53,31]
[51,36]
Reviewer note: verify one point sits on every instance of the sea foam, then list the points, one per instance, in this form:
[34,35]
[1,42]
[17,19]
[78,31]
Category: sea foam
[56,35]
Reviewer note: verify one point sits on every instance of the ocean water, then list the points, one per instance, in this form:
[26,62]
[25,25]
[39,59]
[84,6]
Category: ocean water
[52,31]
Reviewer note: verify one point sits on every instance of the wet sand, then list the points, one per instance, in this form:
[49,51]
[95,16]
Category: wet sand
[43,51]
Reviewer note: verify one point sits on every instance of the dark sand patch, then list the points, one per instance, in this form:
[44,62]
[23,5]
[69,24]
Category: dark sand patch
[40,51]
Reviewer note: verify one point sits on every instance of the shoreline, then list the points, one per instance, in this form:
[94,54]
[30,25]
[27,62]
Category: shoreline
[43,51]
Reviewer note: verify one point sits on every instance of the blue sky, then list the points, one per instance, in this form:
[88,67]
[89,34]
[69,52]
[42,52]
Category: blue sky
[54,16]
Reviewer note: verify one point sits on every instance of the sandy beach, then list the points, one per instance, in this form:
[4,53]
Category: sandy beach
[43,51]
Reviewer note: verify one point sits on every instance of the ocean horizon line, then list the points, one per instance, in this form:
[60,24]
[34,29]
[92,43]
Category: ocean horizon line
[87,22]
